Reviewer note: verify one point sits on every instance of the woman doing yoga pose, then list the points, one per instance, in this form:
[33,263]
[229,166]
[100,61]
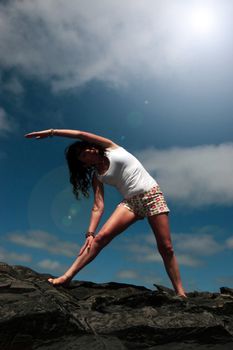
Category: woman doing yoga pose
[95,161]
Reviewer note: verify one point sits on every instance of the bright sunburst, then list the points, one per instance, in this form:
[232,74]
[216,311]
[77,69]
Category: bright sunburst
[203,20]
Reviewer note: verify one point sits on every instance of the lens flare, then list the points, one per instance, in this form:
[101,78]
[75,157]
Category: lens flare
[66,220]
[52,204]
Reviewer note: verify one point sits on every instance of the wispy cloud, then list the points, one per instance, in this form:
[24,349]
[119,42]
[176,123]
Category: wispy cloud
[52,265]
[144,250]
[8,125]
[130,274]
[197,244]
[13,85]
[193,176]
[229,243]
[12,257]
[5,124]
[43,240]
[73,42]
[146,254]
[188,260]
[143,253]
[191,248]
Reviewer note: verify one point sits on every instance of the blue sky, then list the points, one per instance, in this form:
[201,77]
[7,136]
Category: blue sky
[156,78]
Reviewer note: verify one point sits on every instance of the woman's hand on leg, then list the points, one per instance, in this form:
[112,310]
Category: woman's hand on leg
[87,245]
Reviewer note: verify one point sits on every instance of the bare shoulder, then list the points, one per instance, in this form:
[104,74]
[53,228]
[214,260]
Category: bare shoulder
[113,145]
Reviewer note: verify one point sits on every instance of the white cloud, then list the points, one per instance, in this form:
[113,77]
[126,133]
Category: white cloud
[190,248]
[43,240]
[73,42]
[5,125]
[128,274]
[145,251]
[193,176]
[188,260]
[229,243]
[52,265]
[11,257]
[148,278]
[197,244]
[154,256]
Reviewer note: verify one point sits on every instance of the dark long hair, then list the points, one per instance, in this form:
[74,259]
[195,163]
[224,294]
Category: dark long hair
[80,176]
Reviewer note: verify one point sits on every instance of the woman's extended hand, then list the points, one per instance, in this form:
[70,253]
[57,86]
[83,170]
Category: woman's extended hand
[87,245]
[39,134]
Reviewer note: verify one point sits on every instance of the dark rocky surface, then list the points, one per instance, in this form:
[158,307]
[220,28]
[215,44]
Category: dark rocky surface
[109,316]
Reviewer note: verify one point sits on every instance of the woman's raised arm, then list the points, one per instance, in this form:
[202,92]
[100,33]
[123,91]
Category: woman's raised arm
[76,134]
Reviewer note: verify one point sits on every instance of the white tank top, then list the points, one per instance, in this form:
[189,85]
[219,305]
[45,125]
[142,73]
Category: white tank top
[126,173]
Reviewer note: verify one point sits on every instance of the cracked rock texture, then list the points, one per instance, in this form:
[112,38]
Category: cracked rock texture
[108,316]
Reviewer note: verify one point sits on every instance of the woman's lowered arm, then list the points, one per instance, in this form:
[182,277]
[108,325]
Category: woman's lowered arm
[96,213]
[98,206]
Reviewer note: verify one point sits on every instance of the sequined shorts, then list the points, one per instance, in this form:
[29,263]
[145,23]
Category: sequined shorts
[148,203]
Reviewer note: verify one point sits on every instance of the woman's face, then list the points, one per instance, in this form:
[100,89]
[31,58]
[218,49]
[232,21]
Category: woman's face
[89,155]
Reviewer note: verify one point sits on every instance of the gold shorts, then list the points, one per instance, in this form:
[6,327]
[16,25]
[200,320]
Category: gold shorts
[148,203]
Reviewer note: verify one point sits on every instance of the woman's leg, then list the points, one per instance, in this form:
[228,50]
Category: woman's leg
[117,223]
[160,226]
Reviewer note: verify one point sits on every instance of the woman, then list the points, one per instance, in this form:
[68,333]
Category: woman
[96,160]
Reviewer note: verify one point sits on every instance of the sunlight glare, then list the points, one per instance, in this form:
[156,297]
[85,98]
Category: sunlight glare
[203,21]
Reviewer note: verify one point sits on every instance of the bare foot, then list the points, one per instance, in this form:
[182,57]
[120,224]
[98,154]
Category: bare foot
[60,281]
[183,296]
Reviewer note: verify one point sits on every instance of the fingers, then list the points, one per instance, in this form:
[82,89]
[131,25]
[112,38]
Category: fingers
[87,245]
[38,134]
[81,251]
[31,135]
[83,248]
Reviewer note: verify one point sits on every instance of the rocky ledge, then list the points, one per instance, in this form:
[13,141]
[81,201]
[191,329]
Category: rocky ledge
[109,316]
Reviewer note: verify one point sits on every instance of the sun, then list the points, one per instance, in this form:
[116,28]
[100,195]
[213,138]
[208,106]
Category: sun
[203,21]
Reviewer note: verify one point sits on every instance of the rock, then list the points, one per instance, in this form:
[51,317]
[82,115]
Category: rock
[225,290]
[163,289]
[36,315]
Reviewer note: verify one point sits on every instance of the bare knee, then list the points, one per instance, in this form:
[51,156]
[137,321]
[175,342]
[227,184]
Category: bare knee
[166,250]
[102,238]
